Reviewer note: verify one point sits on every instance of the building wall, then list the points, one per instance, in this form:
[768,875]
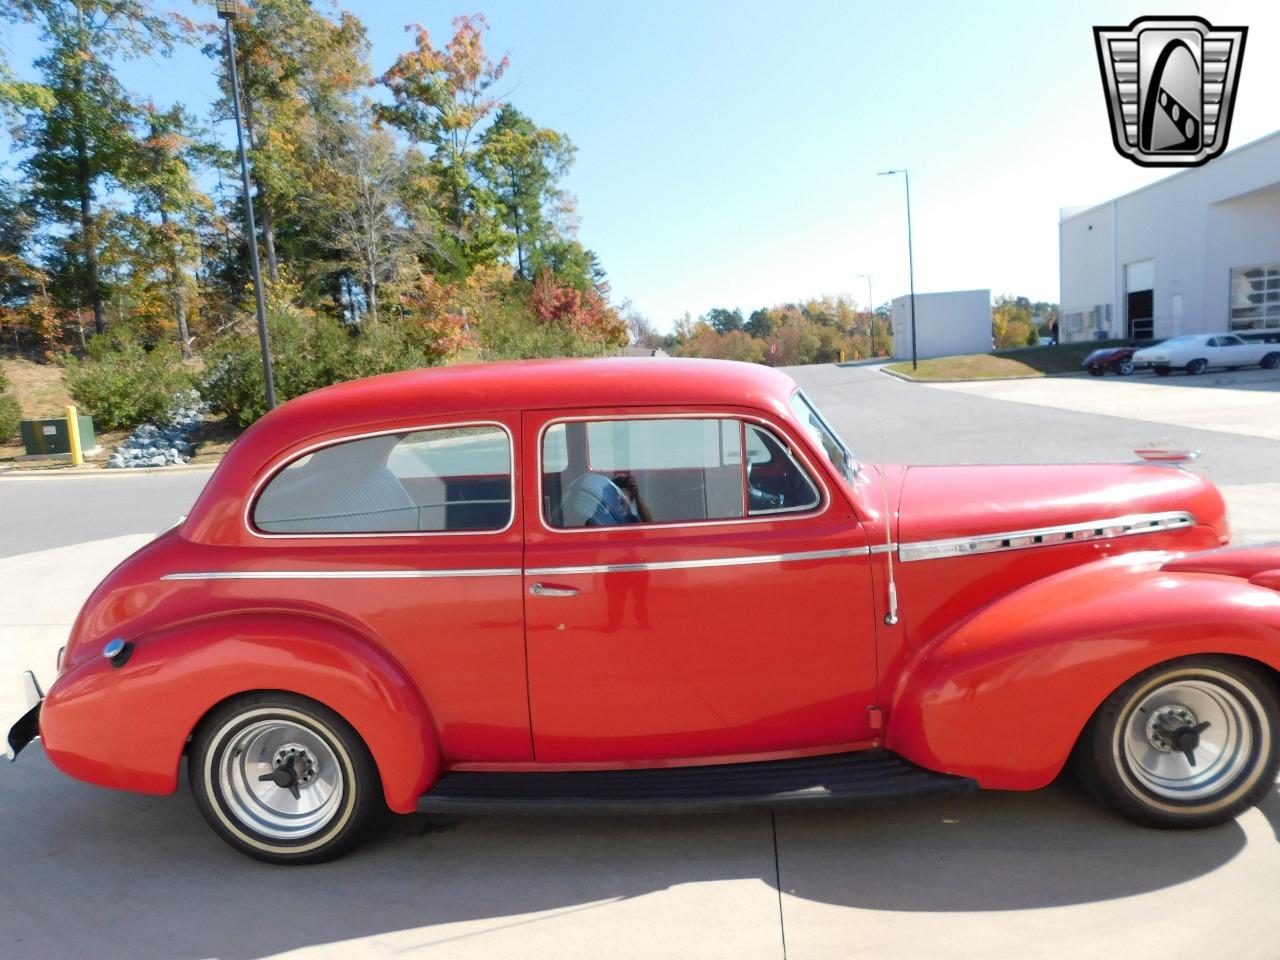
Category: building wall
[1196,226]
[947,324]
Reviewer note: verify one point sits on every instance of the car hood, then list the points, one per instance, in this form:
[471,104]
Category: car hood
[948,502]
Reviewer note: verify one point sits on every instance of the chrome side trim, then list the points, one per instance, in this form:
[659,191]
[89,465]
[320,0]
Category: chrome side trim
[343,574]
[1046,536]
[699,564]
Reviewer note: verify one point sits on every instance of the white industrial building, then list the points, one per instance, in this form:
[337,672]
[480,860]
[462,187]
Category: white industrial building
[1197,252]
[947,324]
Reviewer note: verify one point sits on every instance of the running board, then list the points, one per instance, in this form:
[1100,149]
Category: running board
[863,775]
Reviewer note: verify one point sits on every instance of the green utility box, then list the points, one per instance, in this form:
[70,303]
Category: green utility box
[44,438]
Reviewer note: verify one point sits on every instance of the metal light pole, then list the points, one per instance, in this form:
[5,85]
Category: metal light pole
[871,309]
[911,266]
[228,10]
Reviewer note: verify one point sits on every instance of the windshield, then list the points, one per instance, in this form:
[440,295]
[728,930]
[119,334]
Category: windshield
[836,450]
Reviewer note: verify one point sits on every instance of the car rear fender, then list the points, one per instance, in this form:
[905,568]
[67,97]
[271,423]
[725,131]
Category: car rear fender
[1003,696]
[127,727]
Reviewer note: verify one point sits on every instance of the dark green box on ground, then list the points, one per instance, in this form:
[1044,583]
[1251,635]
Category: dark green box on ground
[50,436]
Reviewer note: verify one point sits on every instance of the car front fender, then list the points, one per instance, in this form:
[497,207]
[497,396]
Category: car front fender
[1003,696]
[127,727]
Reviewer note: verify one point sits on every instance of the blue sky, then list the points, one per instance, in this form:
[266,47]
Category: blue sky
[727,151]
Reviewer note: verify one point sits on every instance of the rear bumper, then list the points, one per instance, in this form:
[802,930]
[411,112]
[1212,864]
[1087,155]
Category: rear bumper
[28,726]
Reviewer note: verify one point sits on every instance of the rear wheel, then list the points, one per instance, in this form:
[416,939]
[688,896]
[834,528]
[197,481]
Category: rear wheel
[1163,371]
[1189,743]
[284,779]
[1271,361]
[1124,368]
[1197,367]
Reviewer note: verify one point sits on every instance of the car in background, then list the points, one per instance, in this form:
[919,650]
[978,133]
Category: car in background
[1196,353]
[1117,360]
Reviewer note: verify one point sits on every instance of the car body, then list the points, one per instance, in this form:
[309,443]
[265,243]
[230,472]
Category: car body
[1196,353]
[1117,360]
[634,584]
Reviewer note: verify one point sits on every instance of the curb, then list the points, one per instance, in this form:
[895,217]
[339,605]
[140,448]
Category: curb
[907,378]
[27,473]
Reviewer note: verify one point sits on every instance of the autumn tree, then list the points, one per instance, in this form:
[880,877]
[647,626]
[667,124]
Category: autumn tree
[300,74]
[84,143]
[442,99]
[523,165]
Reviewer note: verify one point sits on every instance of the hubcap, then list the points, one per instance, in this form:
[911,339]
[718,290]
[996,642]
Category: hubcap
[1189,738]
[281,779]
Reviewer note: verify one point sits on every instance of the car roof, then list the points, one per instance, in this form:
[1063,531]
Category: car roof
[538,384]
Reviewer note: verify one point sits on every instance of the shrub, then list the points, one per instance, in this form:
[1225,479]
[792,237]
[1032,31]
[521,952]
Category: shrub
[121,383]
[10,416]
[307,353]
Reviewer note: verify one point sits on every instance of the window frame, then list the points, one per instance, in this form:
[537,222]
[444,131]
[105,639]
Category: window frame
[284,463]
[814,474]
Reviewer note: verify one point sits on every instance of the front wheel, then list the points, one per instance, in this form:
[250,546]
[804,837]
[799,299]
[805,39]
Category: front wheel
[284,779]
[1097,369]
[1189,743]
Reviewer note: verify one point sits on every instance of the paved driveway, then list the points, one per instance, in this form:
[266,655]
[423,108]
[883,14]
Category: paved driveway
[94,873]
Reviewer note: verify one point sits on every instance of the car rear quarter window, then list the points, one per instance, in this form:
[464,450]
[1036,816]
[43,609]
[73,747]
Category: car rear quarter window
[439,480]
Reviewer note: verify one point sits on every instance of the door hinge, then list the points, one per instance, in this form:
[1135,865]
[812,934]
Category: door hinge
[875,717]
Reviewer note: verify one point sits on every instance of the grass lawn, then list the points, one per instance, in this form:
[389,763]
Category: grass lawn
[1004,364]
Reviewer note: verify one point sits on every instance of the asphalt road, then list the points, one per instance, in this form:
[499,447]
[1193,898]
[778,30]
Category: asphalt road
[95,873]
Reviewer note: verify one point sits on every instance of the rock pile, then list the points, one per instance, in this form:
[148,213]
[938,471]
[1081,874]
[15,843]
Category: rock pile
[159,446]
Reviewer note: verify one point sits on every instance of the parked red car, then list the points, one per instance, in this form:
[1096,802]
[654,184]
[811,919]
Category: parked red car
[1117,360]
[658,584]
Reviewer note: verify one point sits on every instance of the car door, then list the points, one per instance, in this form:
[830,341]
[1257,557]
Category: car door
[1237,353]
[685,601]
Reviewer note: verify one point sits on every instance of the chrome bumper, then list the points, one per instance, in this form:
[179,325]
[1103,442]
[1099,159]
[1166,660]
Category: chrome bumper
[28,726]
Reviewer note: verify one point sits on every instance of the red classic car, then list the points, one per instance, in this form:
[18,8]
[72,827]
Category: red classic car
[652,585]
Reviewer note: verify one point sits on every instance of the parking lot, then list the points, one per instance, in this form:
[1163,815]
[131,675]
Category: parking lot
[94,873]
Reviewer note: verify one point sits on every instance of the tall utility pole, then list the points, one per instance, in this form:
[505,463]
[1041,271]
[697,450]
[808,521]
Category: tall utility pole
[228,11]
[911,266]
[871,319]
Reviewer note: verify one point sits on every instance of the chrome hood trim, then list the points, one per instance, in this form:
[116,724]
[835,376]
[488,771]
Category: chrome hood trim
[1081,531]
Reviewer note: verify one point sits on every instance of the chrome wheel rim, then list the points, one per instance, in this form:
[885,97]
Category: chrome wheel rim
[1206,718]
[281,779]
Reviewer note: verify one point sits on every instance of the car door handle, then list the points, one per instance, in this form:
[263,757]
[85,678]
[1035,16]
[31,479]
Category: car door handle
[541,590]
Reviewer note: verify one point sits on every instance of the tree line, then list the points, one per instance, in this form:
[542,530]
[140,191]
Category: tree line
[404,217]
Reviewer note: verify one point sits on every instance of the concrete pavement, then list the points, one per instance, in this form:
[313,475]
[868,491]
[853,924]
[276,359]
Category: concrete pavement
[95,873]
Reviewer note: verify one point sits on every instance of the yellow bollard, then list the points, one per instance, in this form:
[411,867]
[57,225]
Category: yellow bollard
[73,435]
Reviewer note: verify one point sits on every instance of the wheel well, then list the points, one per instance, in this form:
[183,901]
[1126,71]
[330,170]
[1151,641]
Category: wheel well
[1266,669]
[231,698]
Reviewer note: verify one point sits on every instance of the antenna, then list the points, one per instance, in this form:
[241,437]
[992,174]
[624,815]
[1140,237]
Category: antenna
[891,617]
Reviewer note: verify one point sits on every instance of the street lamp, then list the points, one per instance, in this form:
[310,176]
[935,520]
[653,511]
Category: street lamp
[871,309]
[911,267]
[228,10]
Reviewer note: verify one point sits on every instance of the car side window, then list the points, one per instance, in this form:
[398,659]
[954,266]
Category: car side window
[604,473]
[439,480]
[776,483]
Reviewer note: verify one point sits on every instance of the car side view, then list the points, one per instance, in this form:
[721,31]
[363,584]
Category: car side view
[1197,353]
[657,585]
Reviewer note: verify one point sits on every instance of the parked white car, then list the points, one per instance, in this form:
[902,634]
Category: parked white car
[1197,353]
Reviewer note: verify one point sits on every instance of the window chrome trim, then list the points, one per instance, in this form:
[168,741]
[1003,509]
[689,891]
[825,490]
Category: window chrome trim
[344,574]
[699,564]
[1081,532]
[279,466]
[814,474]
